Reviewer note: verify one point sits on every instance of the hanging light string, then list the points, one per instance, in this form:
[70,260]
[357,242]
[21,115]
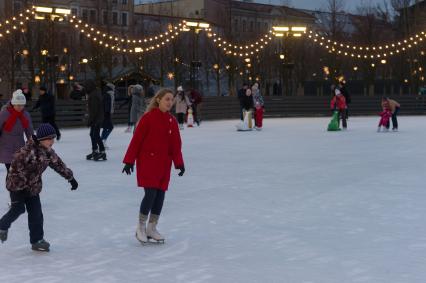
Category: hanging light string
[232,49]
[362,52]
[120,44]
[113,40]
[15,23]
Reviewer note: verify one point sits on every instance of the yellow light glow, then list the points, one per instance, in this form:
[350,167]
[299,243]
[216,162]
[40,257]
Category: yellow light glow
[192,24]
[204,25]
[63,11]
[281,28]
[298,29]
[43,9]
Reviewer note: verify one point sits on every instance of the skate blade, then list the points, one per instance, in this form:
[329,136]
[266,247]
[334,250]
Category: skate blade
[41,250]
[142,242]
[154,241]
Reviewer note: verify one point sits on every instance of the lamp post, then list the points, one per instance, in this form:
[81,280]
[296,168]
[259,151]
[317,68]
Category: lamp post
[197,27]
[286,32]
[217,70]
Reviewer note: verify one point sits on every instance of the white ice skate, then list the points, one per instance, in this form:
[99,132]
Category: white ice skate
[141,229]
[151,230]
[379,129]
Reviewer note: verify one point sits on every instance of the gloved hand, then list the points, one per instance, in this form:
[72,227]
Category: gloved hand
[182,170]
[128,168]
[74,184]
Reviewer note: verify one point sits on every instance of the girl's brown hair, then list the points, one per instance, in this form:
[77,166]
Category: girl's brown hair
[158,96]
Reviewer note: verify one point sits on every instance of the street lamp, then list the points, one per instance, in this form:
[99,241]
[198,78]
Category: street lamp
[217,69]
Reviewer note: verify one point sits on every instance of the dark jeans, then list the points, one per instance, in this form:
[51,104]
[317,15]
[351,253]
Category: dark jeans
[395,119]
[241,113]
[107,126]
[342,116]
[51,121]
[152,201]
[20,201]
[95,136]
[181,118]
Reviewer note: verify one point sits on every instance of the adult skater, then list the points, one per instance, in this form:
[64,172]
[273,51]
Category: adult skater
[338,103]
[95,120]
[15,122]
[394,107]
[46,103]
[343,89]
[241,94]
[182,104]
[156,143]
[138,104]
[24,184]
[109,99]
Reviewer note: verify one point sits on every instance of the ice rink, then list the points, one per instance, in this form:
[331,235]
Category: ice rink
[292,203]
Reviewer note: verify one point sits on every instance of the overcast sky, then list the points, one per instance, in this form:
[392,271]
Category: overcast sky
[350,5]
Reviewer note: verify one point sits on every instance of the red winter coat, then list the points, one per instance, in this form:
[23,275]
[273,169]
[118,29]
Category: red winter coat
[155,144]
[338,102]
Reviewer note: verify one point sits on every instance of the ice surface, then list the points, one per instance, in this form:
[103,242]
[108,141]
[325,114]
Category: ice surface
[292,203]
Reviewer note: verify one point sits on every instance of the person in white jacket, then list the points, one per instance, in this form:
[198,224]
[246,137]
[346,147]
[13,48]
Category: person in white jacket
[182,103]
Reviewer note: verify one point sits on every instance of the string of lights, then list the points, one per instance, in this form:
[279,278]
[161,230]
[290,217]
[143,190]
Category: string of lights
[113,40]
[14,24]
[232,49]
[373,52]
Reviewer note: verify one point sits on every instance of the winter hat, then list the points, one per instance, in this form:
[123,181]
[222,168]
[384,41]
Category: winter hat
[180,88]
[18,98]
[110,86]
[137,89]
[45,132]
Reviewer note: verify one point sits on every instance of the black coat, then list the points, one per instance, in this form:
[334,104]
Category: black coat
[46,103]
[247,102]
[95,104]
[346,94]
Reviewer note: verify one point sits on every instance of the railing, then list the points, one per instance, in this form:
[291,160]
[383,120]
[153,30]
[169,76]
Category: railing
[74,113]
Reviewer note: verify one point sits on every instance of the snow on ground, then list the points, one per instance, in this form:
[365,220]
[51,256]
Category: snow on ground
[292,203]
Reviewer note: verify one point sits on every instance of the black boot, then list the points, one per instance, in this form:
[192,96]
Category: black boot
[41,246]
[100,156]
[3,235]
[92,155]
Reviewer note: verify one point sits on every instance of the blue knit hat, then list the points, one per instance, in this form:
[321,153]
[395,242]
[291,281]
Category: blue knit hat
[45,132]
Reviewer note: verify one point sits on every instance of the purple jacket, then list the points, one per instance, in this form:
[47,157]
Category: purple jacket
[11,142]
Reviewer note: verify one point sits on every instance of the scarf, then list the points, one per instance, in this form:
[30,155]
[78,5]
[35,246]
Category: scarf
[11,121]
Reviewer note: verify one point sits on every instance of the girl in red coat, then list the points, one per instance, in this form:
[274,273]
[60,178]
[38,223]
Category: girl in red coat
[338,103]
[156,143]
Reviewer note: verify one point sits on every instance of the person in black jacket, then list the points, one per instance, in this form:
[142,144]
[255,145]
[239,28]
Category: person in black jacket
[46,103]
[241,95]
[109,97]
[95,120]
[247,102]
[344,91]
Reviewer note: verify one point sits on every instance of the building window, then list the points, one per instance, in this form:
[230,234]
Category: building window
[124,19]
[114,18]
[124,2]
[105,17]
[236,25]
[244,26]
[251,26]
[93,16]
[85,15]
[17,7]
[74,11]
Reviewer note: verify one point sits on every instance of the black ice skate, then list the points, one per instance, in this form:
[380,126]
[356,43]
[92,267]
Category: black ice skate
[41,246]
[3,235]
[92,155]
[100,156]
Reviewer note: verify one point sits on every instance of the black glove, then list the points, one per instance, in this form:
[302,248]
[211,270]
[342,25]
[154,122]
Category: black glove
[128,168]
[74,184]
[182,170]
